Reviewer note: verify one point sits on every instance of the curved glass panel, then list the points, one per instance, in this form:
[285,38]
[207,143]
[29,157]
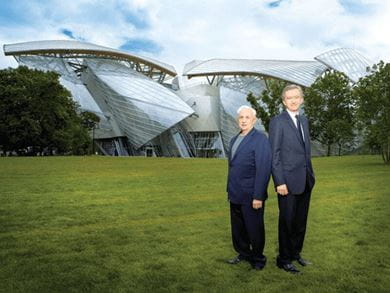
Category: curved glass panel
[66,46]
[142,107]
[299,72]
[68,79]
[350,62]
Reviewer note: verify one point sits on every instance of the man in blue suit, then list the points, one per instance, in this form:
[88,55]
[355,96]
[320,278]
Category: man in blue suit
[293,177]
[248,177]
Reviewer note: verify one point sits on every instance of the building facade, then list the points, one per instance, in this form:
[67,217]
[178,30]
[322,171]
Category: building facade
[146,109]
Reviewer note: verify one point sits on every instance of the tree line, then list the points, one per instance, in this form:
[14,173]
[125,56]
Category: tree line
[38,115]
[342,114]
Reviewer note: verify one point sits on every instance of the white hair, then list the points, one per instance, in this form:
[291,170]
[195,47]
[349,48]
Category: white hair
[246,107]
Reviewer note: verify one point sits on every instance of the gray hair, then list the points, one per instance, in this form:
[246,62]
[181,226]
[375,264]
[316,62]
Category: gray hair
[246,107]
[292,87]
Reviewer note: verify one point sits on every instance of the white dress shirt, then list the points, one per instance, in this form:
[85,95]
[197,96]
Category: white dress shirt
[294,119]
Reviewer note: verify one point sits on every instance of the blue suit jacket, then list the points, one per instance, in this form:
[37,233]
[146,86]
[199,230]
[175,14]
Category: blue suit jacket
[291,163]
[249,168]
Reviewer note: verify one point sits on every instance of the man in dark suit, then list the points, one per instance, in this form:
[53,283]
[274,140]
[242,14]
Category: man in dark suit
[249,174]
[293,176]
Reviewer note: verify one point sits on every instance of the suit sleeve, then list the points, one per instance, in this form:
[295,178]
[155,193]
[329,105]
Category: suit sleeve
[263,161]
[309,147]
[276,138]
[228,155]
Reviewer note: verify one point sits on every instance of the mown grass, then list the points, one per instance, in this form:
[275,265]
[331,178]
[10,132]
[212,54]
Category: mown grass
[103,224]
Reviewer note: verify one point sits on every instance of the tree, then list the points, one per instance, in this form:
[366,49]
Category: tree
[90,121]
[269,103]
[372,95]
[37,112]
[330,110]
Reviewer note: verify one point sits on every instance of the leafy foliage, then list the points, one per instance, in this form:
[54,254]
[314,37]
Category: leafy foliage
[372,95]
[330,110]
[269,103]
[38,114]
[89,119]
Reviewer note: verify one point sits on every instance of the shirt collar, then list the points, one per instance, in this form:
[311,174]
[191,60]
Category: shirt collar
[292,114]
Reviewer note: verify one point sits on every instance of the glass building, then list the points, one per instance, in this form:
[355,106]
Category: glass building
[146,109]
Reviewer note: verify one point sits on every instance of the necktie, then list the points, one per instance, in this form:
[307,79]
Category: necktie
[299,128]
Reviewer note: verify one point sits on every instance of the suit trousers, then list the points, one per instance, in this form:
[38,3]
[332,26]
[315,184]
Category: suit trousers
[248,233]
[293,211]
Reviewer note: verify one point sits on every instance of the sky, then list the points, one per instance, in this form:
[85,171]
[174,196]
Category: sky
[179,31]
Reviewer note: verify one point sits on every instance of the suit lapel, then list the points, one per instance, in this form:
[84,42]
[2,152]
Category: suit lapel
[243,142]
[292,125]
[231,146]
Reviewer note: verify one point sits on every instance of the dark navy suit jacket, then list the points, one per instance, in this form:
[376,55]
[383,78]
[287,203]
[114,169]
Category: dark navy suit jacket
[291,163]
[249,168]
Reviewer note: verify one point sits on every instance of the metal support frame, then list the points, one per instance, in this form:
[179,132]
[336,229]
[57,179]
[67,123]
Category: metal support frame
[75,61]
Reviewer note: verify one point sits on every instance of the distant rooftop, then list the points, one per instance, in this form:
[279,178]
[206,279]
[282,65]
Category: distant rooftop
[304,73]
[67,48]
[300,72]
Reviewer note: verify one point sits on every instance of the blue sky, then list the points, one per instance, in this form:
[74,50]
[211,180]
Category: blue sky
[177,32]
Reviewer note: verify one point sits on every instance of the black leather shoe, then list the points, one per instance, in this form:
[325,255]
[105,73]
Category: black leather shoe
[258,266]
[303,262]
[235,260]
[289,267]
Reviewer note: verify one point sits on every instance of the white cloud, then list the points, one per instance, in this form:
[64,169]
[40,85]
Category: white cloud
[201,29]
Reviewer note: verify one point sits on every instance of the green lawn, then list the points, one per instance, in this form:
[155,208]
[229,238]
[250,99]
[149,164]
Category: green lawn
[104,224]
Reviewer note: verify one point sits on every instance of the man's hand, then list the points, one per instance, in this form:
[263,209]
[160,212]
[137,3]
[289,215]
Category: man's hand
[282,189]
[256,204]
